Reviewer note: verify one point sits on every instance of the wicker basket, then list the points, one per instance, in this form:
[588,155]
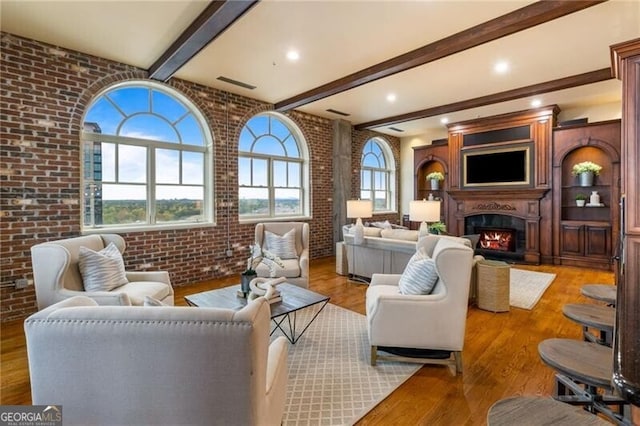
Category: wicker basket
[493,285]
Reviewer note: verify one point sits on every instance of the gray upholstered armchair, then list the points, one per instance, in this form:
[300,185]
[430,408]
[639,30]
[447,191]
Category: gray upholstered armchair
[434,321]
[57,276]
[161,365]
[296,269]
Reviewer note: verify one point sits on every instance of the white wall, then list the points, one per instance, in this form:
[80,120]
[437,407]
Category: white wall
[595,113]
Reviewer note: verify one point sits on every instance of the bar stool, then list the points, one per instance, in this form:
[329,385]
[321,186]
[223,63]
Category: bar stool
[582,369]
[599,317]
[603,292]
[534,411]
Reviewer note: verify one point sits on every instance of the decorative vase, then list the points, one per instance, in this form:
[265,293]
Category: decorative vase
[586,178]
[245,279]
[580,203]
[435,184]
[594,200]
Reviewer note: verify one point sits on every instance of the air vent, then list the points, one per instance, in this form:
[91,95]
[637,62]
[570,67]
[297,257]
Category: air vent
[236,82]
[395,129]
[344,114]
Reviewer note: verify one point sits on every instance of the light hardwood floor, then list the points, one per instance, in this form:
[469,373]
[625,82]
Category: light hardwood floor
[500,358]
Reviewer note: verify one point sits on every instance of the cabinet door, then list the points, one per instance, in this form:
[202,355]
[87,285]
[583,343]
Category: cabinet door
[597,241]
[572,240]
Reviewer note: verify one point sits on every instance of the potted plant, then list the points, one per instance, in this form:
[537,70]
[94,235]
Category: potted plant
[437,228]
[256,256]
[580,199]
[586,171]
[435,178]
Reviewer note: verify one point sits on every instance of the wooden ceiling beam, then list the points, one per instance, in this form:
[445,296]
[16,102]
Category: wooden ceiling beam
[510,23]
[522,92]
[212,22]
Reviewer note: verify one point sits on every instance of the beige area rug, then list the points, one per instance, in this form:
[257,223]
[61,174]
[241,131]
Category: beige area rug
[527,287]
[331,381]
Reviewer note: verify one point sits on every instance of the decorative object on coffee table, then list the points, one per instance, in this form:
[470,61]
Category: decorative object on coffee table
[586,171]
[256,256]
[434,178]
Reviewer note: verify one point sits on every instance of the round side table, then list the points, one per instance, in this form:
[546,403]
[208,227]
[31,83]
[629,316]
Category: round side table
[537,411]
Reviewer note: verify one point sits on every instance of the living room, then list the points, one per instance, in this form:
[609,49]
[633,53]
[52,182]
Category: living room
[48,87]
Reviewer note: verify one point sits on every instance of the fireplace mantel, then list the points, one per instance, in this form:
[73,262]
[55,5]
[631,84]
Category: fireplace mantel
[499,194]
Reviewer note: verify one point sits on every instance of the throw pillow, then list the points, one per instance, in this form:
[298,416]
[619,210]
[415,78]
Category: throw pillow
[282,246]
[419,277]
[102,270]
[152,301]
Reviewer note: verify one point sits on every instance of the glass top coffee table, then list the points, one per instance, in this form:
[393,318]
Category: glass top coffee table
[294,298]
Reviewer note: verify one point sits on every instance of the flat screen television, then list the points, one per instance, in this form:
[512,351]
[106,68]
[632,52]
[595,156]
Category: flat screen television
[497,166]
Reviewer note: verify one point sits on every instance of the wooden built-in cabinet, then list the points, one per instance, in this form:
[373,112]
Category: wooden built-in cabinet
[427,159]
[585,236]
[626,362]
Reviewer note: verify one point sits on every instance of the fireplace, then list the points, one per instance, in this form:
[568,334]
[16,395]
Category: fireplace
[500,239]
[501,236]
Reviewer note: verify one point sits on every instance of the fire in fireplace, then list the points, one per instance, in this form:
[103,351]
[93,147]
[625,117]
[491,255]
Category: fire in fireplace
[500,239]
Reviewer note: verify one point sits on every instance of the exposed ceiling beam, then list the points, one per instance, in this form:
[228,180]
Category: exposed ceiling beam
[509,95]
[510,23]
[212,22]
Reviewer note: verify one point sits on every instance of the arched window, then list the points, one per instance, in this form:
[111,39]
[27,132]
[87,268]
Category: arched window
[147,155]
[273,169]
[378,175]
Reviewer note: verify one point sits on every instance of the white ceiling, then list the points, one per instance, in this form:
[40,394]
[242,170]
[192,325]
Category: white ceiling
[337,38]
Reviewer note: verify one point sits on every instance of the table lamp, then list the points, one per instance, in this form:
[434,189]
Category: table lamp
[424,211]
[357,209]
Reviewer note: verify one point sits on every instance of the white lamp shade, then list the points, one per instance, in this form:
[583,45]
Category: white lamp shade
[424,211]
[359,208]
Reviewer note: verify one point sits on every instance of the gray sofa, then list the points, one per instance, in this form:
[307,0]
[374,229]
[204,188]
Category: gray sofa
[384,251]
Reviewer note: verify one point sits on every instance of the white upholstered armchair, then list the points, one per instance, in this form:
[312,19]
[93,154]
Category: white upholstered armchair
[435,321]
[296,262]
[160,365]
[57,276]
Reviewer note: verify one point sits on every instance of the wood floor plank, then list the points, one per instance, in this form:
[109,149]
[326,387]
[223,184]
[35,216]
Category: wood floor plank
[500,358]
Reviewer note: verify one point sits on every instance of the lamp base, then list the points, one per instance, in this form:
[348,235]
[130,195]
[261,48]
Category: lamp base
[424,230]
[358,232]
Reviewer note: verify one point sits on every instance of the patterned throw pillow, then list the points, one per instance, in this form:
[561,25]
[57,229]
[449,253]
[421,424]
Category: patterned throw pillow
[420,275]
[282,246]
[102,270]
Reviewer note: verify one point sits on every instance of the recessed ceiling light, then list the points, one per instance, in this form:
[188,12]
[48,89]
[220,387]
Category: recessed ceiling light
[293,55]
[391,97]
[536,103]
[501,67]
[444,120]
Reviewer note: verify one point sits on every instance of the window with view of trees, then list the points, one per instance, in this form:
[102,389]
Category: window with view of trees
[272,169]
[146,159]
[377,175]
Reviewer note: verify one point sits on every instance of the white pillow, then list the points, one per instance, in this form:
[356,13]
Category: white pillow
[102,270]
[282,246]
[420,275]
[151,301]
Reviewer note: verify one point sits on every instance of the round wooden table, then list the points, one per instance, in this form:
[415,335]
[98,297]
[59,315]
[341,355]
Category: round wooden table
[602,292]
[533,411]
[584,362]
[589,315]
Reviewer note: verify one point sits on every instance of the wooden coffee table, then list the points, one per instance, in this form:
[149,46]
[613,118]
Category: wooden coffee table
[294,299]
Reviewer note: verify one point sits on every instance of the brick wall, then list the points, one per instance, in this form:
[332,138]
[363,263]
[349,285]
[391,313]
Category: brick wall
[44,93]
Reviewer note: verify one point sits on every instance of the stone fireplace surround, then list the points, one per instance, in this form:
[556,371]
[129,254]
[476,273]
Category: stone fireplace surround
[509,208]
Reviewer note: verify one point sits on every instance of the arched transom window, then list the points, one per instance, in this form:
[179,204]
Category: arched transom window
[146,159]
[377,175]
[273,175]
